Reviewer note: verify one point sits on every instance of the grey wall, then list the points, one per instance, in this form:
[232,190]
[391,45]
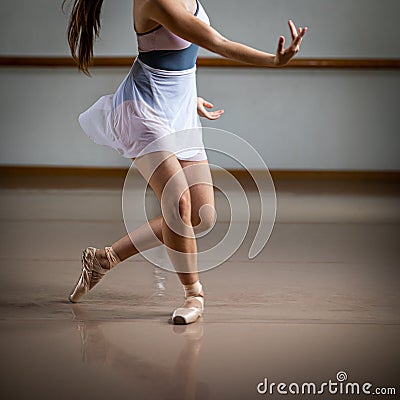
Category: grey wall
[296,119]
[338,28]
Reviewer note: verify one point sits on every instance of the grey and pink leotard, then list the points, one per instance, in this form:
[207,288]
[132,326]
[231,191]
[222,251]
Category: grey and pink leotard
[162,49]
[157,97]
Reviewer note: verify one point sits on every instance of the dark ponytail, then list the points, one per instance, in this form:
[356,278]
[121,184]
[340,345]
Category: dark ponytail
[83,29]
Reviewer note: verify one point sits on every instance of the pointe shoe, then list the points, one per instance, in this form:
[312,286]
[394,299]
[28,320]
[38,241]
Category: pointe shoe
[92,272]
[186,315]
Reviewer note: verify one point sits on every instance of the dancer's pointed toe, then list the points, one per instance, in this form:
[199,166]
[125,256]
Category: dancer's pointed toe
[92,272]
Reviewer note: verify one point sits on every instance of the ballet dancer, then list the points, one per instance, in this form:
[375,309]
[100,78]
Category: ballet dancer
[157,97]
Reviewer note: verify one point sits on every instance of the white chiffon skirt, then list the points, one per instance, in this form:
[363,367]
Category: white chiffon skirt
[152,110]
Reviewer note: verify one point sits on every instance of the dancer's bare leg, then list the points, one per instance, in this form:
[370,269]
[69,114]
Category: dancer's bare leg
[201,189]
[165,176]
[202,217]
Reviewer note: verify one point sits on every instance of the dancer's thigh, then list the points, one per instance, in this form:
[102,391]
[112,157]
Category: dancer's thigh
[162,168]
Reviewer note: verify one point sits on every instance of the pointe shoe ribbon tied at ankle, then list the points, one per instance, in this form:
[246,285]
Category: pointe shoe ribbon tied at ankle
[186,314]
[92,271]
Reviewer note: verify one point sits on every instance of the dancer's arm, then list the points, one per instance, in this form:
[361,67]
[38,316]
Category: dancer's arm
[202,104]
[178,19]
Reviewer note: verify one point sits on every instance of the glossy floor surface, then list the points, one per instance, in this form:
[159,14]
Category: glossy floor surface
[322,297]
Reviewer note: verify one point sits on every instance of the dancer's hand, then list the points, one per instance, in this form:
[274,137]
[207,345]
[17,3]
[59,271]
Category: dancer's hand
[201,109]
[283,56]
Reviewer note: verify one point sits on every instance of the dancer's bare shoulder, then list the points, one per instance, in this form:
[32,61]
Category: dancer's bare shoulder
[149,6]
[178,17]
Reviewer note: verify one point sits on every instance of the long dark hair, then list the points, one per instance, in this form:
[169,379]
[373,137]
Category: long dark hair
[83,29]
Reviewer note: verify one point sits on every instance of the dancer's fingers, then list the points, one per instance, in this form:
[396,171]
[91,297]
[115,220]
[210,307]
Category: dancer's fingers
[281,44]
[299,38]
[214,114]
[293,30]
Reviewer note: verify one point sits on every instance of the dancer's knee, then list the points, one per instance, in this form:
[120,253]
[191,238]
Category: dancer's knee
[204,218]
[177,208]
[184,206]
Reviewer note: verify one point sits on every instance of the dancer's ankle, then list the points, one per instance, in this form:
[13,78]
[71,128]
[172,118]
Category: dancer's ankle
[194,289]
[193,293]
[107,257]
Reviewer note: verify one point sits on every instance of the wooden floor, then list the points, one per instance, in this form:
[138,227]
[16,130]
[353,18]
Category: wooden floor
[322,297]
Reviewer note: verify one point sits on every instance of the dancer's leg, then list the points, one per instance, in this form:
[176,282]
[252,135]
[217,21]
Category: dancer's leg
[202,214]
[199,181]
[144,236]
[171,185]
[198,177]
[166,177]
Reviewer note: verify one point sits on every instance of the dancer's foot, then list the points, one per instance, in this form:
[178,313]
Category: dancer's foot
[193,307]
[94,267]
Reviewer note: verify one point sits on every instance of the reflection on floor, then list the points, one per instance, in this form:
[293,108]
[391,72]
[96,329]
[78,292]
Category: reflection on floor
[322,297]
